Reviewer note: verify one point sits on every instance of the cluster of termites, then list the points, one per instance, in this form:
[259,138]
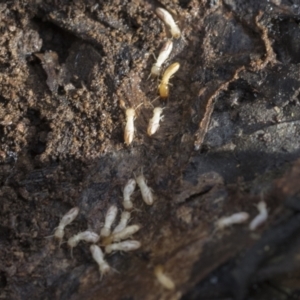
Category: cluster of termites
[109,239]
[114,239]
[242,217]
[163,87]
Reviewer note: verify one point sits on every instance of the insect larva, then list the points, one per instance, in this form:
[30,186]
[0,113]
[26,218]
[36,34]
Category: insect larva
[163,86]
[236,218]
[129,127]
[98,256]
[127,192]
[167,18]
[125,216]
[261,217]
[123,246]
[68,218]
[87,236]
[145,190]
[164,280]
[154,121]
[162,57]
[109,219]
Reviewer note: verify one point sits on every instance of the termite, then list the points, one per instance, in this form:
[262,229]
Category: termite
[167,18]
[261,217]
[162,57]
[129,127]
[154,121]
[87,236]
[125,216]
[98,256]
[127,192]
[123,246]
[236,218]
[164,84]
[68,218]
[145,190]
[164,280]
[109,219]
[122,235]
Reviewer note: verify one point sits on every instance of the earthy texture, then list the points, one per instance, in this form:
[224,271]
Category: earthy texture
[229,138]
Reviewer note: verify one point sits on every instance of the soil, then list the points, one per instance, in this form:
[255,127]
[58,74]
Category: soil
[229,139]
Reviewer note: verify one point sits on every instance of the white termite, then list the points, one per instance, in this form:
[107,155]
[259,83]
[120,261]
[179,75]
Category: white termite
[125,216]
[98,256]
[125,233]
[68,218]
[129,127]
[154,121]
[87,236]
[163,279]
[127,192]
[162,57]
[123,246]
[236,218]
[167,18]
[145,190]
[109,219]
[261,217]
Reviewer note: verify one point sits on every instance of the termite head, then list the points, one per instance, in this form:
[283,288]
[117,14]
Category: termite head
[261,206]
[73,241]
[104,269]
[157,110]
[175,31]
[130,113]
[140,179]
[105,232]
[128,205]
[155,70]
[59,233]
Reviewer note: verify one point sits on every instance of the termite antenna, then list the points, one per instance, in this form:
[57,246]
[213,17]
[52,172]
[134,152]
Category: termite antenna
[154,56]
[153,101]
[49,236]
[139,105]
[135,209]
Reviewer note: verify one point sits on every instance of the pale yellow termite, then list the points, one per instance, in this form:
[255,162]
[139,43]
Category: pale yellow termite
[164,84]
[125,216]
[68,218]
[127,192]
[129,127]
[98,256]
[145,190]
[154,121]
[163,279]
[162,57]
[261,217]
[122,235]
[123,246]
[236,218]
[109,219]
[167,18]
[87,236]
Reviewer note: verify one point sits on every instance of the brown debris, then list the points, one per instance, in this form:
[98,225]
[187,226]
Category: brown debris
[209,108]
[270,55]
